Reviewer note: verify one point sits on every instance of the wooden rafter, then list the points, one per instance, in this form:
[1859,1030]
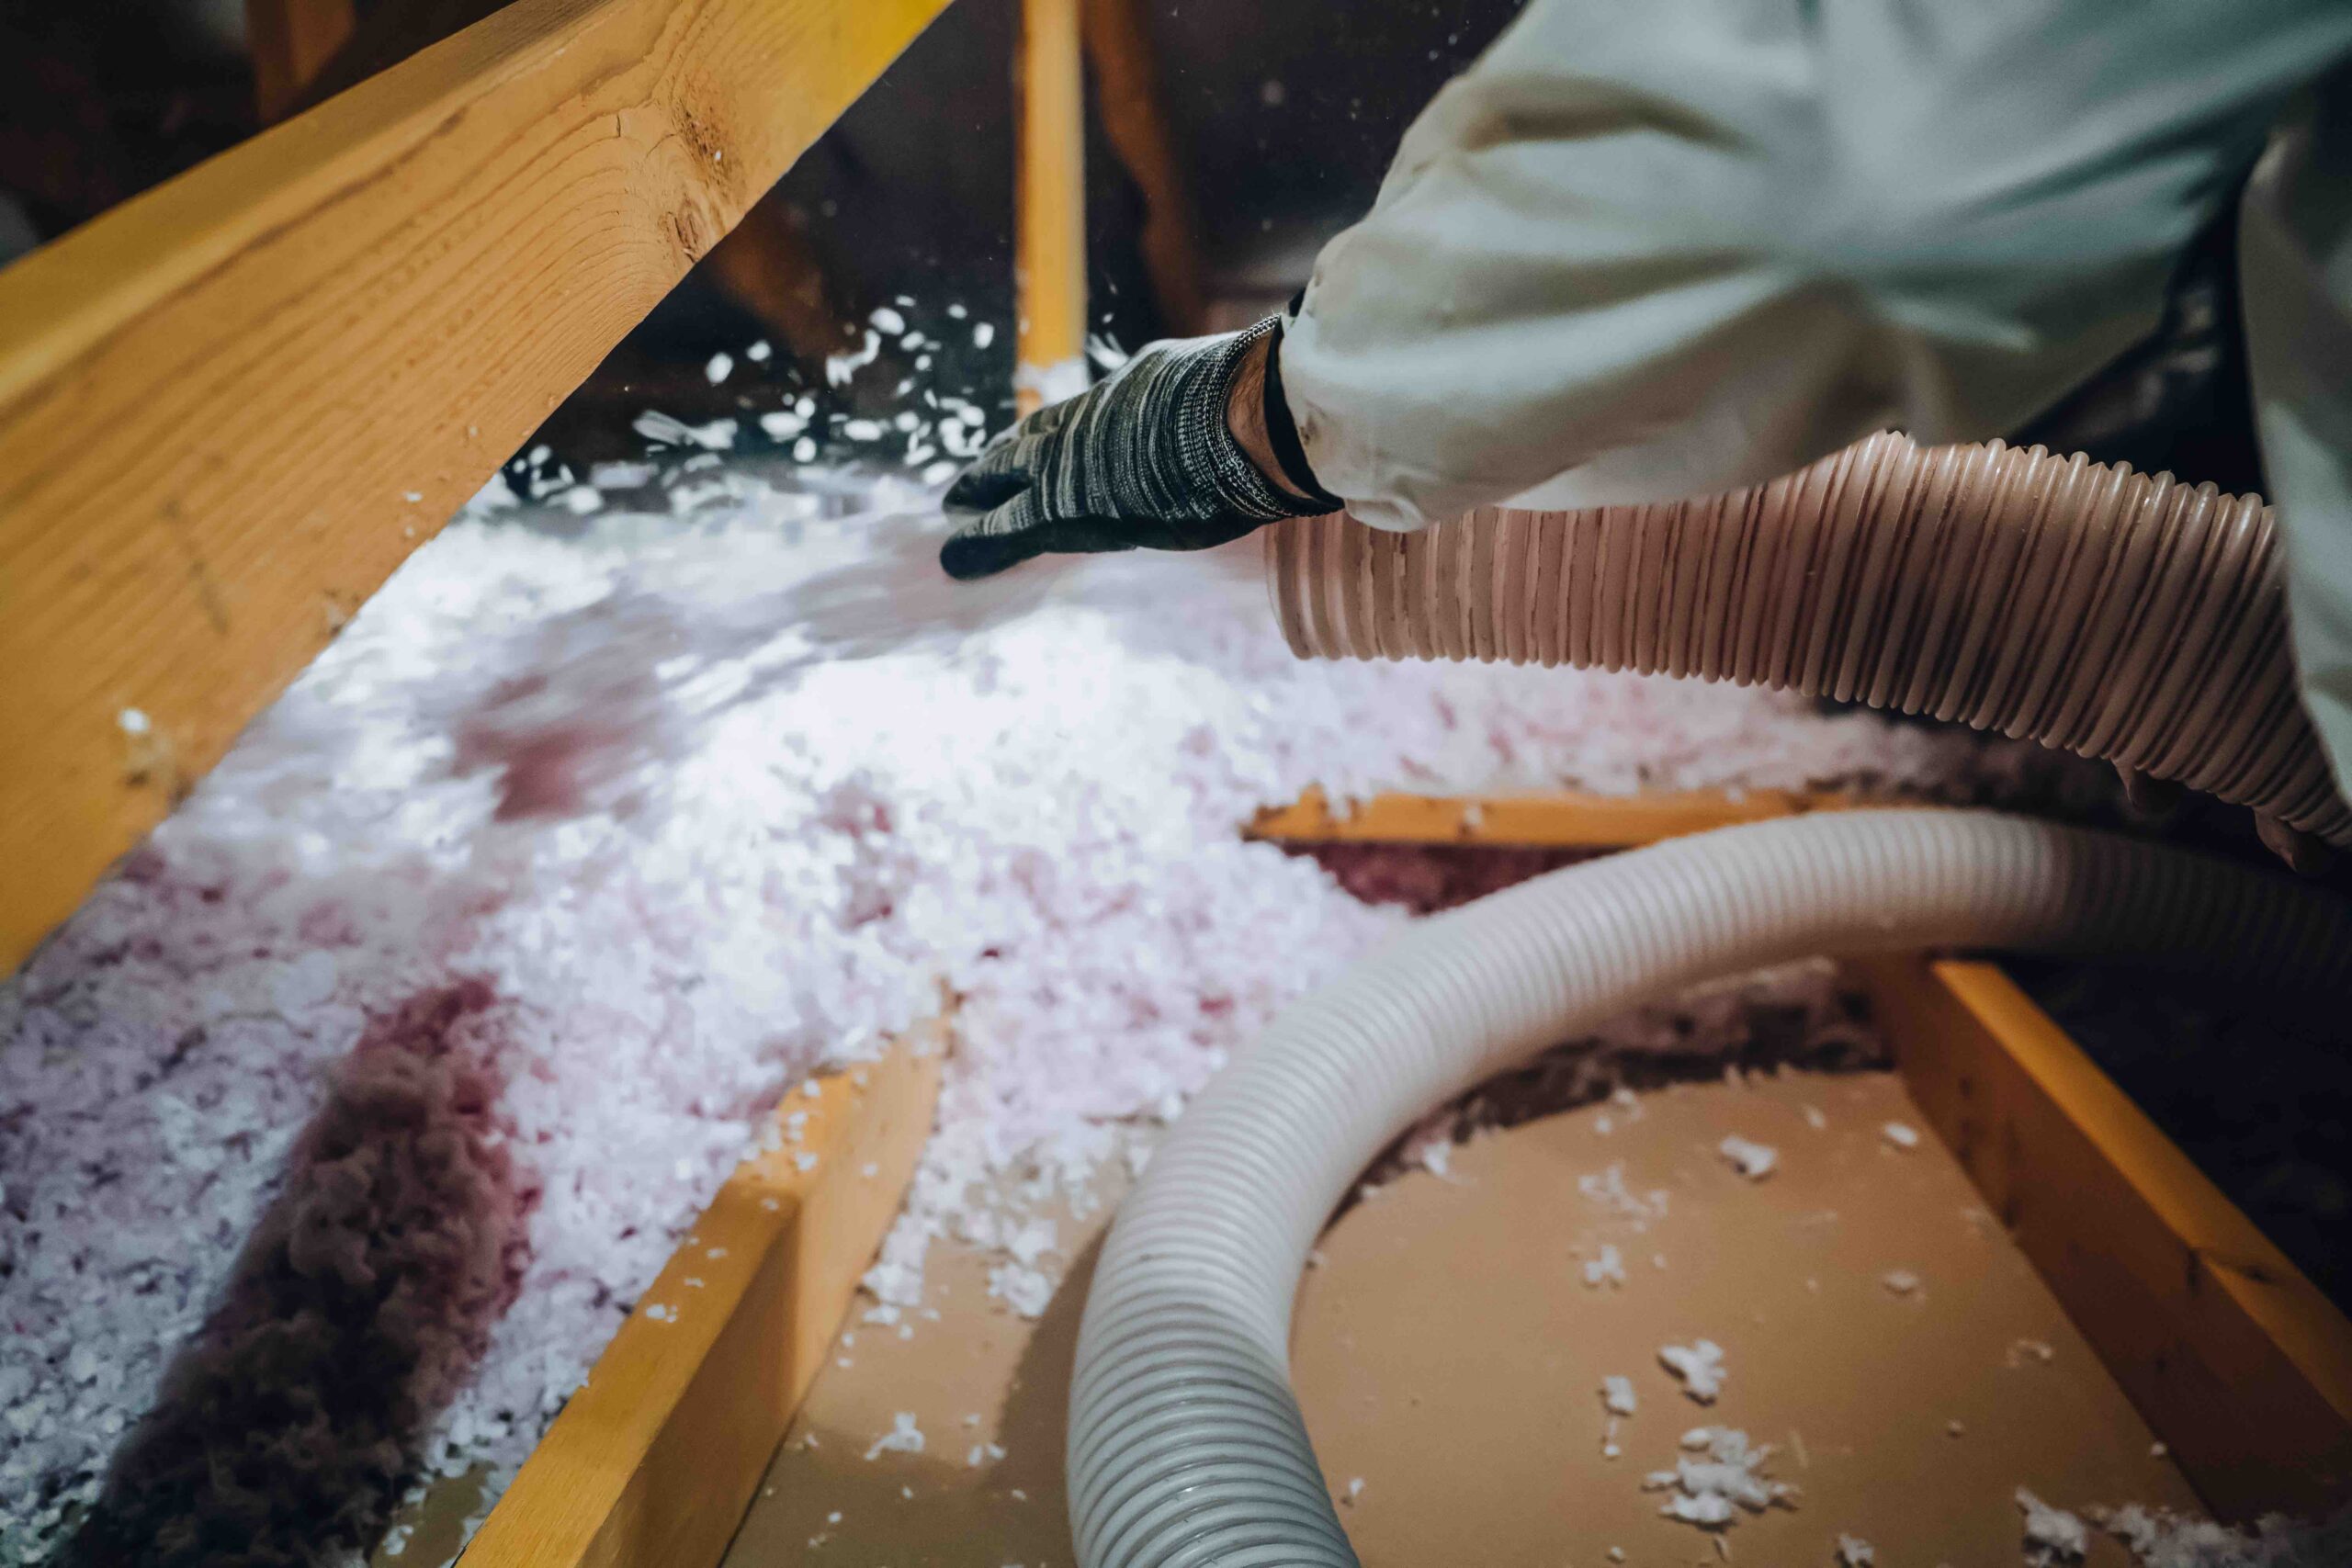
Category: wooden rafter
[653,1462]
[1533,821]
[2232,1355]
[231,406]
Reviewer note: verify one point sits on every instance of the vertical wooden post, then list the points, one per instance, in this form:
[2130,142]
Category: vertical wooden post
[1136,121]
[408,277]
[290,42]
[1050,207]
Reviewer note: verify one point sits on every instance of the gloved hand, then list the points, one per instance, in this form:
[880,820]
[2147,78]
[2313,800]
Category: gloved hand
[1144,459]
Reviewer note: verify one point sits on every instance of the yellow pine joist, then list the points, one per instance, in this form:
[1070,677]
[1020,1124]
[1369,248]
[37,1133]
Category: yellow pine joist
[652,1462]
[231,406]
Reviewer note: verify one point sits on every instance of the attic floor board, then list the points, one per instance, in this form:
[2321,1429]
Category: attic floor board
[1449,1354]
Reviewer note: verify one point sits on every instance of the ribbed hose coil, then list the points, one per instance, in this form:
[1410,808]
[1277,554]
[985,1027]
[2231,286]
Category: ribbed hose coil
[1186,1444]
[2085,606]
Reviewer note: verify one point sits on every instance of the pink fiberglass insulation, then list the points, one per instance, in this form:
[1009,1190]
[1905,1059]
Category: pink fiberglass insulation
[285,1428]
[1426,878]
[842,786]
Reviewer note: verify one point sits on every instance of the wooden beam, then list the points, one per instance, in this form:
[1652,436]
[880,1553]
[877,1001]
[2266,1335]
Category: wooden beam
[290,42]
[230,407]
[2236,1360]
[1536,821]
[764,262]
[653,1462]
[1135,120]
[1049,220]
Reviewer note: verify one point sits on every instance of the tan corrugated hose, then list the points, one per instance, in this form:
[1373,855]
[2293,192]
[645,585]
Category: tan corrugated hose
[2085,606]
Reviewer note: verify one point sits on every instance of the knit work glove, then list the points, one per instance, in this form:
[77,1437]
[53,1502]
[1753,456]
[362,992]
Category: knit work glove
[1141,460]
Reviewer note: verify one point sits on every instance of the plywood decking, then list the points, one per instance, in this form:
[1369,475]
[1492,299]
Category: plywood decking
[1448,1354]
[2239,1362]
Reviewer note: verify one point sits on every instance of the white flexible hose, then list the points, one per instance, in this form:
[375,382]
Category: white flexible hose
[1186,1445]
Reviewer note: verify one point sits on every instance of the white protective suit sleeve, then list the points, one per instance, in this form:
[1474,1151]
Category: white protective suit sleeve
[2295,267]
[1647,250]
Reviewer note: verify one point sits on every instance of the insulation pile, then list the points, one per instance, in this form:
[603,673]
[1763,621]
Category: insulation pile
[597,829]
[1719,1475]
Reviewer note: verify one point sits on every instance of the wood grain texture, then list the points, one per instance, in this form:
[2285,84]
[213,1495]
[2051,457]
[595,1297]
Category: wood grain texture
[653,1462]
[2232,1355]
[229,408]
[1049,220]
[1534,821]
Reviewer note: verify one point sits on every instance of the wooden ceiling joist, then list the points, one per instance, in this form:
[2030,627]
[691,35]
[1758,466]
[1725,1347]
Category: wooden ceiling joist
[231,406]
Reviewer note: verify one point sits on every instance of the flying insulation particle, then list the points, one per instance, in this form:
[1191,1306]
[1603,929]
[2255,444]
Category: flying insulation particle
[1751,1159]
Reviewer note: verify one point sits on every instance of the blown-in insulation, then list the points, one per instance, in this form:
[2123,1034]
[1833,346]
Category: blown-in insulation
[591,835]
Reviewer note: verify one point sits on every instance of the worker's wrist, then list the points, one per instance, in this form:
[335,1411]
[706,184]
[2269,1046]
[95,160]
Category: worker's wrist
[1245,415]
[1258,421]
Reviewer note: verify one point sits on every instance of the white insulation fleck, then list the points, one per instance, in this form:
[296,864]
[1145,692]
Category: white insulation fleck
[1720,1473]
[1751,1159]
[2164,1540]
[1700,1366]
[2052,1536]
[696,805]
